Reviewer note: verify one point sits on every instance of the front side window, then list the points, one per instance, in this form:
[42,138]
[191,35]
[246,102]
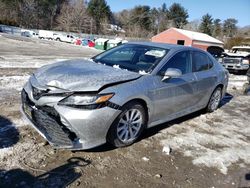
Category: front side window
[132,57]
[200,62]
[179,61]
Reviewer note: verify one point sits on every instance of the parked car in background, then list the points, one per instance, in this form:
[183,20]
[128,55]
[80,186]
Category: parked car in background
[43,34]
[26,34]
[29,33]
[81,104]
[64,38]
[238,59]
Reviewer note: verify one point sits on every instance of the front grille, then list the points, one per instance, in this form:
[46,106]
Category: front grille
[228,60]
[47,121]
[51,129]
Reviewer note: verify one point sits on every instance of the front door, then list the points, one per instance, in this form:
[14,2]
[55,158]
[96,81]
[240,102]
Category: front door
[173,96]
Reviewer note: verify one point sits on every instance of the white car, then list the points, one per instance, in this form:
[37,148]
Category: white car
[64,38]
[238,59]
[43,34]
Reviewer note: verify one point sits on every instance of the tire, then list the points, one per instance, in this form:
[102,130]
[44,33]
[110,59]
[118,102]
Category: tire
[214,100]
[124,132]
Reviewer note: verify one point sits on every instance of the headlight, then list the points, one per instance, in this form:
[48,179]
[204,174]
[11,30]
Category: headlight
[245,61]
[85,100]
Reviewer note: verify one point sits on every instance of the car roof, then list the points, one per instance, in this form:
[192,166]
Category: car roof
[163,45]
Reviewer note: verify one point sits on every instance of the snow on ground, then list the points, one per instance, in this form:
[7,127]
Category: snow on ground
[237,82]
[218,139]
[20,61]
[12,158]
[19,122]
[13,82]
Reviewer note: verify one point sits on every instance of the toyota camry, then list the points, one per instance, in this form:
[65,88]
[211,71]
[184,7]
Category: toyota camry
[116,95]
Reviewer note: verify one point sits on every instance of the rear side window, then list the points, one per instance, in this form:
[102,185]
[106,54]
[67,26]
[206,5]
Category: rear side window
[201,62]
[179,61]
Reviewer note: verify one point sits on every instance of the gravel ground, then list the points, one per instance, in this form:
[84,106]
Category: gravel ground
[198,150]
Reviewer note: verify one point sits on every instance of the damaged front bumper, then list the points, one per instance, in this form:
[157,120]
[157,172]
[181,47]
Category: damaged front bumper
[69,128]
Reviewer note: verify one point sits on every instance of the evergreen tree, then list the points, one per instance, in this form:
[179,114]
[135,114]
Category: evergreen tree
[206,24]
[140,16]
[160,20]
[229,27]
[217,28]
[99,11]
[178,15]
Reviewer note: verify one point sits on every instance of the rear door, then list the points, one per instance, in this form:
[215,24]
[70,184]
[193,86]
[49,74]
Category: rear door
[202,67]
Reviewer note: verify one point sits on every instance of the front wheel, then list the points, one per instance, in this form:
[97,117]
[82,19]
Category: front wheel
[214,100]
[128,126]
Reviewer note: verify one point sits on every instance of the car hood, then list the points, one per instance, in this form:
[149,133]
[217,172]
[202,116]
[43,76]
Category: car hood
[242,54]
[81,75]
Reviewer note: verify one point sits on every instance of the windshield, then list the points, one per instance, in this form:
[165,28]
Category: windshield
[133,57]
[241,50]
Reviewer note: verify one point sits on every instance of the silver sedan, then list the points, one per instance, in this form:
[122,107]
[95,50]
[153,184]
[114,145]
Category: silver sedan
[115,96]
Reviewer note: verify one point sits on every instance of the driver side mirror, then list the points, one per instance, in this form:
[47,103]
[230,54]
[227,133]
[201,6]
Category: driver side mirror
[171,73]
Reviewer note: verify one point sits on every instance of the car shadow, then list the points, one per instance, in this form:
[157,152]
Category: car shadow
[102,148]
[244,182]
[154,130]
[226,99]
[247,177]
[61,176]
[9,134]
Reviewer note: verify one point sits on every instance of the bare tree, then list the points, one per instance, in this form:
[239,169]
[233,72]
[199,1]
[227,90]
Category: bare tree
[193,25]
[27,14]
[8,14]
[74,17]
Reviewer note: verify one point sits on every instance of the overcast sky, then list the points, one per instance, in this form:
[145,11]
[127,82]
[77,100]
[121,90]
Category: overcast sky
[222,9]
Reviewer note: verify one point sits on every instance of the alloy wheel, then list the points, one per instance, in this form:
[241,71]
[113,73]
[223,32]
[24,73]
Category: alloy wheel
[215,99]
[129,125]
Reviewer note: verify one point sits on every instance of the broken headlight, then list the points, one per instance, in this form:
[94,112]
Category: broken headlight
[81,100]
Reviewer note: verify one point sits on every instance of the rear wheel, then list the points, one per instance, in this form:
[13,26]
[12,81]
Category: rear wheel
[128,126]
[214,100]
